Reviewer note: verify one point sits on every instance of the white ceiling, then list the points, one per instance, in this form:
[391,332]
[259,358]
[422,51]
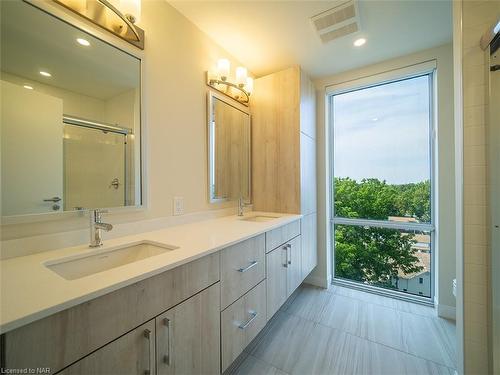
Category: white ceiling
[271,35]
[32,40]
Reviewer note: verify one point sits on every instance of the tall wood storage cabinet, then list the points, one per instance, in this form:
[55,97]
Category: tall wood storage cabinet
[284,152]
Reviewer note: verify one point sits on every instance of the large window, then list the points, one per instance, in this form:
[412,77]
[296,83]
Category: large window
[382,218]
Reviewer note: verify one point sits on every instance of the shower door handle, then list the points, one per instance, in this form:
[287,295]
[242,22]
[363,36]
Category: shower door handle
[54,199]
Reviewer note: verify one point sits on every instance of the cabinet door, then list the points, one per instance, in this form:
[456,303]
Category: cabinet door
[276,269]
[294,275]
[309,244]
[131,354]
[188,335]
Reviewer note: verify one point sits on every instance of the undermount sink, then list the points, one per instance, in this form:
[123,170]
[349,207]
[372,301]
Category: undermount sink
[78,266]
[260,218]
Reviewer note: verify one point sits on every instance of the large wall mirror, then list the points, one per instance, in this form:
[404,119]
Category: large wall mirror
[229,133]
[70,117]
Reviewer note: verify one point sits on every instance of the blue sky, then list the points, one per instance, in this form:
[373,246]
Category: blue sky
[383,132]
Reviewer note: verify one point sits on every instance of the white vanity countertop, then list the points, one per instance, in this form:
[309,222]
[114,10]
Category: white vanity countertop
[30,291]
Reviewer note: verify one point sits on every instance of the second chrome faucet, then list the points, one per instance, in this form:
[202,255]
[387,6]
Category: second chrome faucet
[97,226]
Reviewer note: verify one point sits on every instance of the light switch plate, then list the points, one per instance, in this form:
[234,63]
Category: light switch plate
[178,206]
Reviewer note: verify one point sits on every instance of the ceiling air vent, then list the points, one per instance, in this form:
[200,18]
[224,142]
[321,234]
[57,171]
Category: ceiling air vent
[337,22]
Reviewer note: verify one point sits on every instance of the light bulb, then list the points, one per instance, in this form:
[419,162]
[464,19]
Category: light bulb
[223,66]
[241,76]
[249,85]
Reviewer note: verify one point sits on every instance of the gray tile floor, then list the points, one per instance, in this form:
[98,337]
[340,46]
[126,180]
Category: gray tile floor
[345,331]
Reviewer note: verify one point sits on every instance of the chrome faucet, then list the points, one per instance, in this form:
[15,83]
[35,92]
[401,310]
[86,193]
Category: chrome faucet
[241,205]
[97,226]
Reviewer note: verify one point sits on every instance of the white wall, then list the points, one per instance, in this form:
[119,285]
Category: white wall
[73,103]
[177,54]
[445,261]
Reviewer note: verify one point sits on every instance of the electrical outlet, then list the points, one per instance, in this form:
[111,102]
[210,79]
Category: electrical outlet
[178,206]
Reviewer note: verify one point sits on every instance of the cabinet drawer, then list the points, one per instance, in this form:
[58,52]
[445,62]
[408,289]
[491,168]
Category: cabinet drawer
[241,322]
[90,325]
[242,267]
[133,353]
[280,235]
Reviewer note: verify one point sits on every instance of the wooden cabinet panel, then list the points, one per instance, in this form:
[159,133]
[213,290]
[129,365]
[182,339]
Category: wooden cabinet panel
[307,175]
[307,106]
[130,354]
[275,142]
[279,236]
[294,269]
[90,325]
[242,267]
[309,244]
[276,282]
[188,335]
[241,322]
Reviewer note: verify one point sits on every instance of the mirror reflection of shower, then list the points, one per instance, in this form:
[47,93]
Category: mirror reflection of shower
[96,160]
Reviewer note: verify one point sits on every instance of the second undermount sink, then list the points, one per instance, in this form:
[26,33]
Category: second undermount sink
[260,218]
[78,266]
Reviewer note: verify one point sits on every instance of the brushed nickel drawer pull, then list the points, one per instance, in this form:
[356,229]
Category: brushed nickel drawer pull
[289,246]
[253,315]
[251,265]
[147,335]
[167,357]
[286,255]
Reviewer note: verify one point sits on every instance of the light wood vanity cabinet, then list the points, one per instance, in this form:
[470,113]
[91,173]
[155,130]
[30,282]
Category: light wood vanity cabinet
[86,327]
[194,319]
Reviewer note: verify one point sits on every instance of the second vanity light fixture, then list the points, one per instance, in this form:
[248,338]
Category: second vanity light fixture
[239,90]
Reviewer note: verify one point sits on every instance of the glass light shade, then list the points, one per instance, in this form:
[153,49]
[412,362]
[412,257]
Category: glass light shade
[249,85]
[223,66]
[241,75]
[131,7]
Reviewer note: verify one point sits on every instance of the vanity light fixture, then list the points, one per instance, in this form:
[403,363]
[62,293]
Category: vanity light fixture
[28,87]
[45,74]
[243,85]
[117,16]
[359,42]
[83,42]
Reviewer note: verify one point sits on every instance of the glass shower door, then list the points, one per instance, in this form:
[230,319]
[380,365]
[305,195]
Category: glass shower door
[94,168]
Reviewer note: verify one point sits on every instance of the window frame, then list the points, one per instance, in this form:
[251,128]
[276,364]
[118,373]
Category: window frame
[427,68]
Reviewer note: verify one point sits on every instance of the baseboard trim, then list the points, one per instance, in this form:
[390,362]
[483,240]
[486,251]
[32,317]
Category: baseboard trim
[447,312]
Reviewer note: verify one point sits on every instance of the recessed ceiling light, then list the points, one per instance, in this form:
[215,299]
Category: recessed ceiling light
[28,87]
[359,42]
[83,42]
[375,119]
[45,74]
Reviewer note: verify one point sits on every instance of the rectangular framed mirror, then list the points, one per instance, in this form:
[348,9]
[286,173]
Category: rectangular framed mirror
[70,119]
[229,149]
